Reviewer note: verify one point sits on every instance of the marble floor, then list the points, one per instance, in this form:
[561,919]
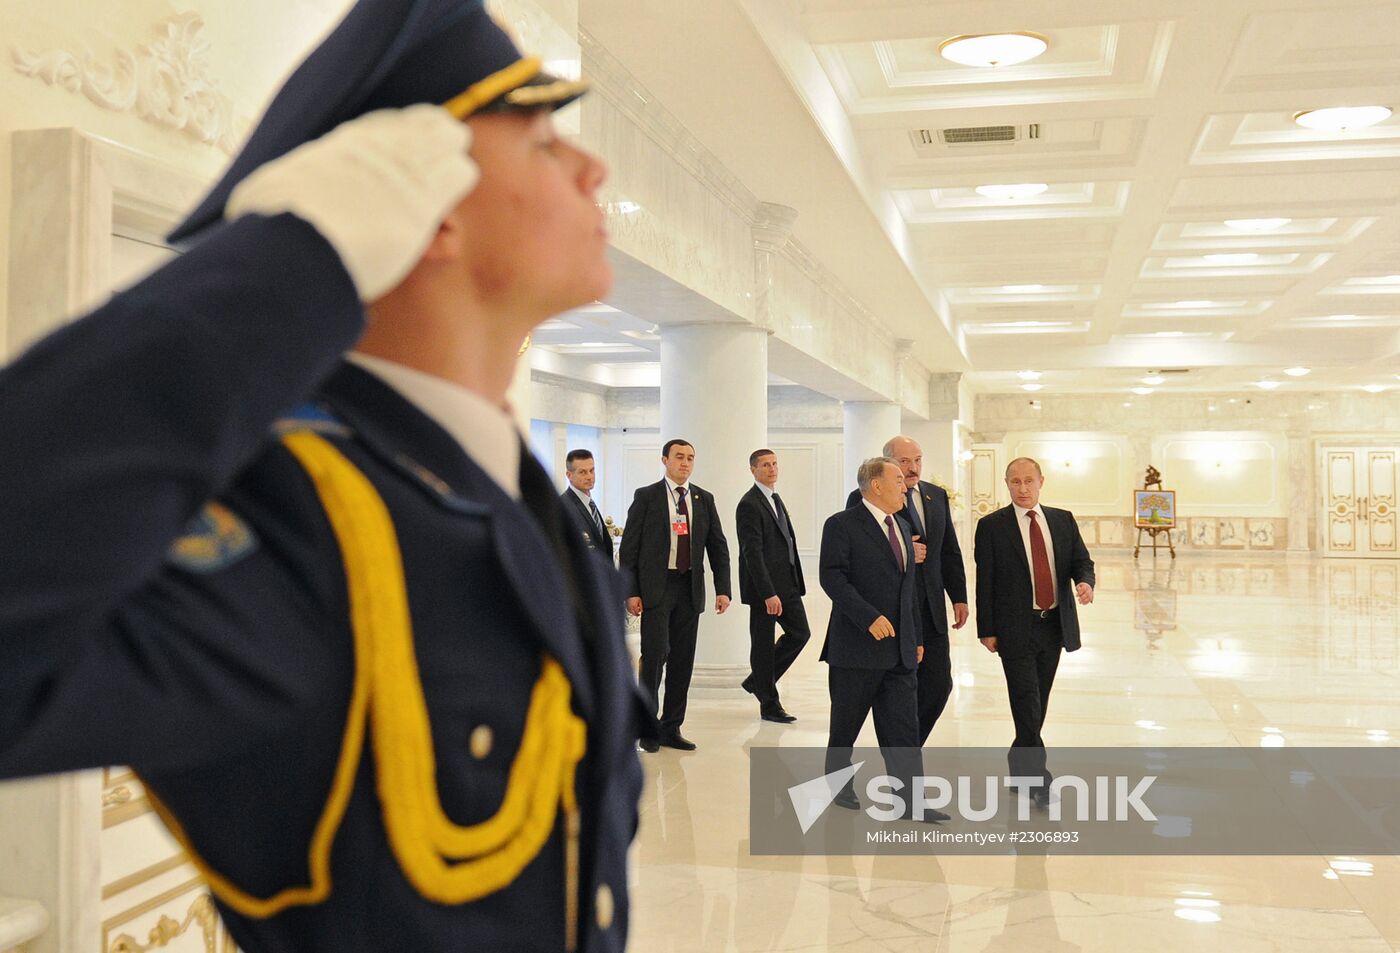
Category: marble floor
[1218,651]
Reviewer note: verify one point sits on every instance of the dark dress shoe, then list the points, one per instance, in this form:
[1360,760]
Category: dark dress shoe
[848,800]
[747,684]
[649,745]
[776,714]
[678,741]
[931,816]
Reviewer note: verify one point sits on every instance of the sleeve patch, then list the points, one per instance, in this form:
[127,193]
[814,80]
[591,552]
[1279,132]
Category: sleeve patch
[215,539]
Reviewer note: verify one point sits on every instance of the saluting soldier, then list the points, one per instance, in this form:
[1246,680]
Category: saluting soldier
[324,604]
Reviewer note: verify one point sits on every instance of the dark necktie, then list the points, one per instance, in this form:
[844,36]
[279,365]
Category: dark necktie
[602,527]
[785,527]
[1040,567]
[683,540]
[895,544]
[913,509]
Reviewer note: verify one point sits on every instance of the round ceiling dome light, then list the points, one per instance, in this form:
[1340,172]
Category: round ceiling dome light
[1341,118]
[1014,192]
[987,50]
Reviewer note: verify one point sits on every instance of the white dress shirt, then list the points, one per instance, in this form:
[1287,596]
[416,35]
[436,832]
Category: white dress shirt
[1023,522]
[671,498]
[485,432]
[768,492]
[880,517]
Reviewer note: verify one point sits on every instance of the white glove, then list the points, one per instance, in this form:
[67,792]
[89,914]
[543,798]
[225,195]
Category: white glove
[376,187]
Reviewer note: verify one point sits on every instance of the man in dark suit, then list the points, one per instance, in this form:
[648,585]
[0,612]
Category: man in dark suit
[873,642]
[770,584]
[671,526]
[579,500]
[1031,567]
[940,571]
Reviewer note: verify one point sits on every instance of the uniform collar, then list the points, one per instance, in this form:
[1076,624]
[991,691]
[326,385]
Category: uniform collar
[586,498]
[484,431]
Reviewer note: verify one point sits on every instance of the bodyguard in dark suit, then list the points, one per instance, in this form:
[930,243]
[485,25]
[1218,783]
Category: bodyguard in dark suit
[326,608]
[671,526]
[770,584]
[1031,567]
[578,498]
[873,642]
[940,571]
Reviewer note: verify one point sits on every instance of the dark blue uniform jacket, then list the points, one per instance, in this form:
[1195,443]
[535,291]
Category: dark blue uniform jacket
[209,647]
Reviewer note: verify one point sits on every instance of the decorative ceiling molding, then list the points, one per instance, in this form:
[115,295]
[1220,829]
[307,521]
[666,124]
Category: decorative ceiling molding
[166,81]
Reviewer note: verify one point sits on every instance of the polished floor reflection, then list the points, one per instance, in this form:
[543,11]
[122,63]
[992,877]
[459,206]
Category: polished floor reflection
[1255,651]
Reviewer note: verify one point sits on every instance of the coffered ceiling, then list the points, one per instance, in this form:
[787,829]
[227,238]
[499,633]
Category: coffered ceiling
[1162,130]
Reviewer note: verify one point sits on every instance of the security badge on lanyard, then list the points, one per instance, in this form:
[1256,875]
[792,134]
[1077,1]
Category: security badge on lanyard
[680,522]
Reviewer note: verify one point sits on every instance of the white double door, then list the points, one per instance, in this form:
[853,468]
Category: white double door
[1359,514]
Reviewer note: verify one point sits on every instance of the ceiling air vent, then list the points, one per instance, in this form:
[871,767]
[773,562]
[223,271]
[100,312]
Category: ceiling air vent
[973,135]
[966,134]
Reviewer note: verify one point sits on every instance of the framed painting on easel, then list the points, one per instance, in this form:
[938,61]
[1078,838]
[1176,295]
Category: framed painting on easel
[1154,509]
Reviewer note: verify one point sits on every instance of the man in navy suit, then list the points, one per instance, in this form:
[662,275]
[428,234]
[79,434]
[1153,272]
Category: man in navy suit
[325,603]
[582,477]
[873,641]
[1032,566]
[930,516]
[672,525]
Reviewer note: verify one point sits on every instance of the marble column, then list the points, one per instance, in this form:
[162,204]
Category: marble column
[866,425]
[714,394]
[1300,492]
[559,437]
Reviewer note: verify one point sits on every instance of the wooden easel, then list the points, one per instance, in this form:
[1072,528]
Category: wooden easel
[1153,480]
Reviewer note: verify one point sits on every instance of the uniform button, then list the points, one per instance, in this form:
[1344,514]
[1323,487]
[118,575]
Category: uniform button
[603,907]
[481,741]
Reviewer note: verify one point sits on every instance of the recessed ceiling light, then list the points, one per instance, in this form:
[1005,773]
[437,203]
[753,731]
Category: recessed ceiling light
[1032,387]
[1256,224]
[1142,391]
[1029,375]
[1374,388]
[993,49]
[1190,304]
[1014,192]
[1022,289]
[1233,258]
[1341,118]
[1152,380]
[1267,385]
[1298,371]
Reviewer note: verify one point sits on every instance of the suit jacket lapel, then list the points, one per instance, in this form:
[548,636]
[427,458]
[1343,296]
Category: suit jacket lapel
[933,514]
[875,532]
[1059,540]
[790,535]
[1013,522]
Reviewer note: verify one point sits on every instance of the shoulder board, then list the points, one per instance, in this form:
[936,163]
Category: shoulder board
[311,416]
